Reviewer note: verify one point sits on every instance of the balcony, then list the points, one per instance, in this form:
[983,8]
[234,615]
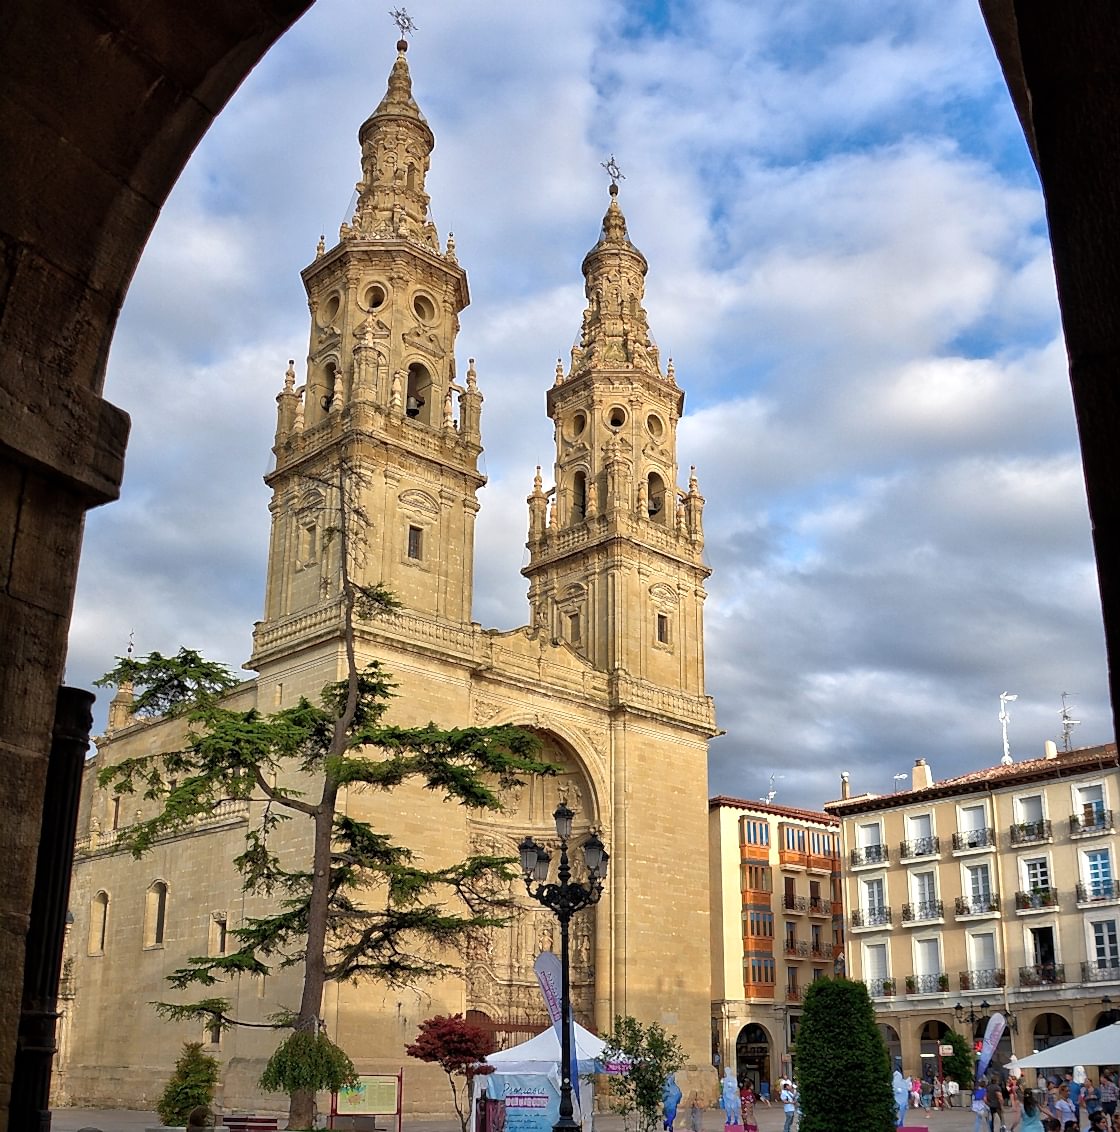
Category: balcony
[927,984]
[871,917]
[818,906]
[880,988]
[1101,971]
[1090,822]
[818,863]
[797,949]
[970,840]
[1098,892]
[821,951]
[1037,899]
[919,847]
[793,903]
[1030,832]
[983,979]
[977,905]
[922,911]
[1042,975]
[793,994]
[870,855]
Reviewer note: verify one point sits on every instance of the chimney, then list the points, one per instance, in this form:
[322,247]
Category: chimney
[845,786]
[1051,749]
[922,776]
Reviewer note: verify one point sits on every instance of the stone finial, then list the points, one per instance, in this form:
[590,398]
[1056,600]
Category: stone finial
[450,253]
[693,485]
[290,376]
[671,372]
[321,246]
[559,372]
[472,376]
[396,390]
[448,411]
[538,483]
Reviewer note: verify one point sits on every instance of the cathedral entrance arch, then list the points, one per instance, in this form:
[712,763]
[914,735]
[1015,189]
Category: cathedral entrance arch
[752,1055]
[501,983]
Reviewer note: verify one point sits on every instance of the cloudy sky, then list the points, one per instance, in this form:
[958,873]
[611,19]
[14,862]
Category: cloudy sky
[848,264]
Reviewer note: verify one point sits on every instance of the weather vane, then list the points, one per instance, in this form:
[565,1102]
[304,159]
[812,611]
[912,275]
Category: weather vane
[404,21]
[613,170]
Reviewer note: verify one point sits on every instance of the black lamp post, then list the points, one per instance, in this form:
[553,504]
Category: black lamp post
[564,897]
[972,1017]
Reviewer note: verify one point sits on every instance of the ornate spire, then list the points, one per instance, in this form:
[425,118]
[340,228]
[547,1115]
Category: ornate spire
[615,327]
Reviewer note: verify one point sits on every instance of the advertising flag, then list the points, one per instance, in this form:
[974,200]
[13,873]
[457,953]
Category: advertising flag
[550,976]
[992,1035]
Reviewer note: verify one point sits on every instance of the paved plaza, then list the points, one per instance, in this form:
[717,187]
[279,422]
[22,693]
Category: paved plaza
[769,1120]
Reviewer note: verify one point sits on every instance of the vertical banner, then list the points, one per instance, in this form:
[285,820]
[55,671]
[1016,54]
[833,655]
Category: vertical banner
[992,1035]
[550,976]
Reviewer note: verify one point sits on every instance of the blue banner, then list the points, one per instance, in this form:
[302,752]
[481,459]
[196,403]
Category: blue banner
[532,1101]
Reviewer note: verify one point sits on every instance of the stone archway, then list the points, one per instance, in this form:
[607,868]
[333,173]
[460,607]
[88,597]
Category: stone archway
[1050,1030]
[753,1049]
[500,978]
[930,1035]
[892,1041]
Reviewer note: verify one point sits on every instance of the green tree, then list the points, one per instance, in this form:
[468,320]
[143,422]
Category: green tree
[358,906]
[653,1054]
[843,1069]
[959,1066]
[191,1084]
[459,1048]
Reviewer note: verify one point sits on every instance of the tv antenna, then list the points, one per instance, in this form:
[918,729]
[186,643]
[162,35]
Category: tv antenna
[1068,722]
[1006,698]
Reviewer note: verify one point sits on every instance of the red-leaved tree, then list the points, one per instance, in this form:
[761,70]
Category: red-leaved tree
[459,1048]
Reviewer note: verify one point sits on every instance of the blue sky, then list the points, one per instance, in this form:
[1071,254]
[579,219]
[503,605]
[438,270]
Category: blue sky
[848,265]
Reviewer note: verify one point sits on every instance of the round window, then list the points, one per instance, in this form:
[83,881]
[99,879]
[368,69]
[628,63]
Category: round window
[616,417]
[329,310]
[656,426]
[577,424]
[424,307]
[375,297]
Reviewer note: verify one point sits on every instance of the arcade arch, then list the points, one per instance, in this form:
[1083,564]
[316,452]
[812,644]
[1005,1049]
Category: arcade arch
[753,1049]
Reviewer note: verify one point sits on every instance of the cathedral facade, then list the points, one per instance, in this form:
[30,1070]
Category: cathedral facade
[609,672]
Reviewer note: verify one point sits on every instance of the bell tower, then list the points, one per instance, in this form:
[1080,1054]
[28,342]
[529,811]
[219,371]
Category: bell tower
[380,405]
[615,547]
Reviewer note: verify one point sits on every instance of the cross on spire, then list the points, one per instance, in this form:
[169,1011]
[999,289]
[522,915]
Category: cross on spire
[613,171]
[404,22]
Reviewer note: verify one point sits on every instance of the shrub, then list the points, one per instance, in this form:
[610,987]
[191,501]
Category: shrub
[192,1084]
[843,1068]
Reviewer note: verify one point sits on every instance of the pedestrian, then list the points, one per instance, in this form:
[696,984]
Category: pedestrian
[788,1097]
[695,1113]
[1108,1093]
[747,1097]
[1090,1097]
[980,1105]
[994,1097]
[1063,1108]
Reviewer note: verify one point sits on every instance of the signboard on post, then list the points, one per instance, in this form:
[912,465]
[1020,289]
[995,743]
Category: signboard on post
[375,1094]
[945,1050]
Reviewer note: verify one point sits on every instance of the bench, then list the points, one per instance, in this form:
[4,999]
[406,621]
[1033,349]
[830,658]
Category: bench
[250,1123]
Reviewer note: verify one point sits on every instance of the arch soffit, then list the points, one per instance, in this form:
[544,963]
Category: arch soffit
[577,747]
[1027,1022]
[761,1025]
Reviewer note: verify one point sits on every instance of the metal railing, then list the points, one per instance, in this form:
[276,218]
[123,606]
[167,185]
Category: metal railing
[975,839]
[871,855]
[923,910]
[919,847]
[1098,890]
[1036,898]
[870,917]
[1042,975]
[1029,832]
[983,979]
[793,903]
[976,905]
[1092,821]
[818,906]
[1100,971]
[927,984]
[797,947]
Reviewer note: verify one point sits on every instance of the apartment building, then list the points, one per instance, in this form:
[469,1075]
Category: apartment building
[777,924]
[996,890]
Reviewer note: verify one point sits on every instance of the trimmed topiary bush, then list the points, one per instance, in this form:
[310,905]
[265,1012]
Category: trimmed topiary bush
[843,1069]
[192,1084]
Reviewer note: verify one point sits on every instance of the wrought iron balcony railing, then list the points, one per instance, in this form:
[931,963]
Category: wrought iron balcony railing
[926,984]
[871,855]
[880,988]
[1042,975]
[1030,832]
[793,903]
[1091,821]
[974,839]
[1036,898]
[976,905]
[919,847]
[1098,890]
[797,947]
[984,979]
[871,917]
[923,910]
[818,906]
[1100,971]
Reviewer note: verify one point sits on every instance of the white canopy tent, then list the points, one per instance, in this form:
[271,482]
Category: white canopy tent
[541,1054]
[1099,1047]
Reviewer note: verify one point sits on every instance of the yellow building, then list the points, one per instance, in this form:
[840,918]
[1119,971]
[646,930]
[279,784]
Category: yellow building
[777,924]
[993,891]
[609,672]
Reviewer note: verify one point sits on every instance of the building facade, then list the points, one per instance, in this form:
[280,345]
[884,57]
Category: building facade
[994,891]
[609,672]
[777,925]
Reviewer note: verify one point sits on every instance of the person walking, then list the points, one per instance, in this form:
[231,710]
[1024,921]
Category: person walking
[980,1104]
[1109,1093]
[994,1097]
[1031,1114]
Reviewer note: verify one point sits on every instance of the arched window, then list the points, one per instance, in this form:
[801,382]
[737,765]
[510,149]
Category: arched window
[420,394]
[657,501]
[579,497]
[155,914]
[98,923]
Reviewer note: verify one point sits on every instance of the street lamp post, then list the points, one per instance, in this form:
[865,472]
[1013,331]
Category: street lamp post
[565,897]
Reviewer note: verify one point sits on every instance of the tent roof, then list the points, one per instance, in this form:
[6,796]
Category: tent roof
[1098,1047]
[541,1054]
